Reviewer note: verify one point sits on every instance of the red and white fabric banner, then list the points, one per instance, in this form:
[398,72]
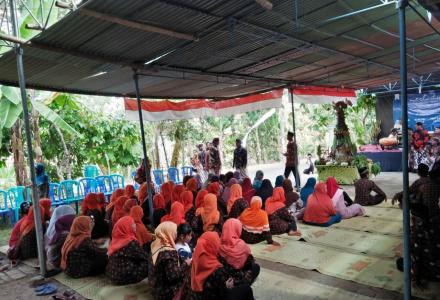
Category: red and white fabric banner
[190,109]
[321,94]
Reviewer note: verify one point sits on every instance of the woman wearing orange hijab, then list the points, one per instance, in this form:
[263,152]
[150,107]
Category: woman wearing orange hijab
[159,206]
[166,190]
[26,245]
[167,272]
[236,254]
[130,192]
[90,203]
[319,209]
[255,223]
[209,278]
[191,185]
[177,191]
[214,188]
[236,203]
[187,200]
[91,208]
[128,262]
[280,220]
[208,218]
[111,206]
[142,234]
[176,215]
[79,256]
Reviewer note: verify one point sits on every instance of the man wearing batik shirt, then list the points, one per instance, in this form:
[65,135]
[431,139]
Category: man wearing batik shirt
[215,163]
[291,159]
[240,159]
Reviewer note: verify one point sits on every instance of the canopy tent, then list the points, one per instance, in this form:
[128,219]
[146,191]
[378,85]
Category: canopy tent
[225,49]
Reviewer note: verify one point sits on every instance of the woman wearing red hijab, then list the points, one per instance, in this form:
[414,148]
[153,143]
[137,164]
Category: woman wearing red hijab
[177,191]
[208,218]
[247,189]
[337,196]
[130,192]
[236,204]
[143,236]
[118,211]
[236,254]
[187,200]
[320,210]
[191,185]
[214,188]
[280,220]
[176,215]
[128,262]
[159,206]
[45,203]
[209,278]
[24,244]
[166,190]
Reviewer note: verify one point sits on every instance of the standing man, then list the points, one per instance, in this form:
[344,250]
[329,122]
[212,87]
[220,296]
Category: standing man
[202,153]
[291,159]
[240,159]
[215,163]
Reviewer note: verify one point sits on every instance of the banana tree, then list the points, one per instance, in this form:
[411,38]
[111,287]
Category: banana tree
[10,113]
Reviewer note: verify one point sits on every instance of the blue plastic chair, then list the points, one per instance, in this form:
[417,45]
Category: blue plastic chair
[53,192]
[159,179]
[117,181]
[16,197]
[68,192]
[87,185]
[104,185]
[91,171]
[135,184]
[173,175]
[6,209]
[186,170]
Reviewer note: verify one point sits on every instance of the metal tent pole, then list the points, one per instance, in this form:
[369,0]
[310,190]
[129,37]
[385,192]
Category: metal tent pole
[297,176]
[144,146]
[22,83]
[404,102]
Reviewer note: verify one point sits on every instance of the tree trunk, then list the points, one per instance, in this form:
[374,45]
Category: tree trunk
[176,151]
[17,150]
[65,162]
[35,123]
[156,149]
[258,146]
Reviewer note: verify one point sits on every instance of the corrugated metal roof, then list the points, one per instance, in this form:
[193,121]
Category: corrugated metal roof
[242,48]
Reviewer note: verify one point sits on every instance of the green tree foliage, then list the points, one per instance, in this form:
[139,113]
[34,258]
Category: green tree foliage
[101,138]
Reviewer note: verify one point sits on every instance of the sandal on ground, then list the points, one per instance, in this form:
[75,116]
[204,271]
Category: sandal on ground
[50,289]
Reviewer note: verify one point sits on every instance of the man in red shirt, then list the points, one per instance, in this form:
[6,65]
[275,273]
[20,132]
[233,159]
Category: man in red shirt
[291,159]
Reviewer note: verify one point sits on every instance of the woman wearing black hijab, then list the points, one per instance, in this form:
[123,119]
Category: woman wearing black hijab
[265,190]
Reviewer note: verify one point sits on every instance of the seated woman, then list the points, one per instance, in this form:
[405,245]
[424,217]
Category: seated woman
[307,190]
[176,215]
[425,232]
[337,196]
[280,220]
[187,200]
[130,192]
[255,223]
[236,203]
[167,273]
[235,255]
[279,181]
[227,190]
[166,190]
[143,236]
[159,207]
[57,232]
[111,206]
[248,191]
[15,234]
[118,211]
[192,186]
[128,262]
[23,242]
[92,208]
[79,256]
[293,202]
[177,191]
[215,188]
[209,279]
[265,191]
[320,210]
[46,204]
[208,218]
[258,180]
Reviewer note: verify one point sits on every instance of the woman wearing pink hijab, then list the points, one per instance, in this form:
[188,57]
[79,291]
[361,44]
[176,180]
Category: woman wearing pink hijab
[337,196]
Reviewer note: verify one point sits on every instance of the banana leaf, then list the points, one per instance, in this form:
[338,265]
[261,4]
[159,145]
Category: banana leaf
[9,113]
[53,117]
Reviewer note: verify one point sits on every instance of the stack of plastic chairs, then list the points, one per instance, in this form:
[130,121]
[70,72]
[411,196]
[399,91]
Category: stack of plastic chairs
[104,185]
[16,197]
[173,175]
[69,192]
[87,185]
[117,181]
[135,184]
[6,209]
[53,192]
[159,179]
[186,170]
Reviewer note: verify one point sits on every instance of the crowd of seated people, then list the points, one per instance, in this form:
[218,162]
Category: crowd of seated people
[196,244]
